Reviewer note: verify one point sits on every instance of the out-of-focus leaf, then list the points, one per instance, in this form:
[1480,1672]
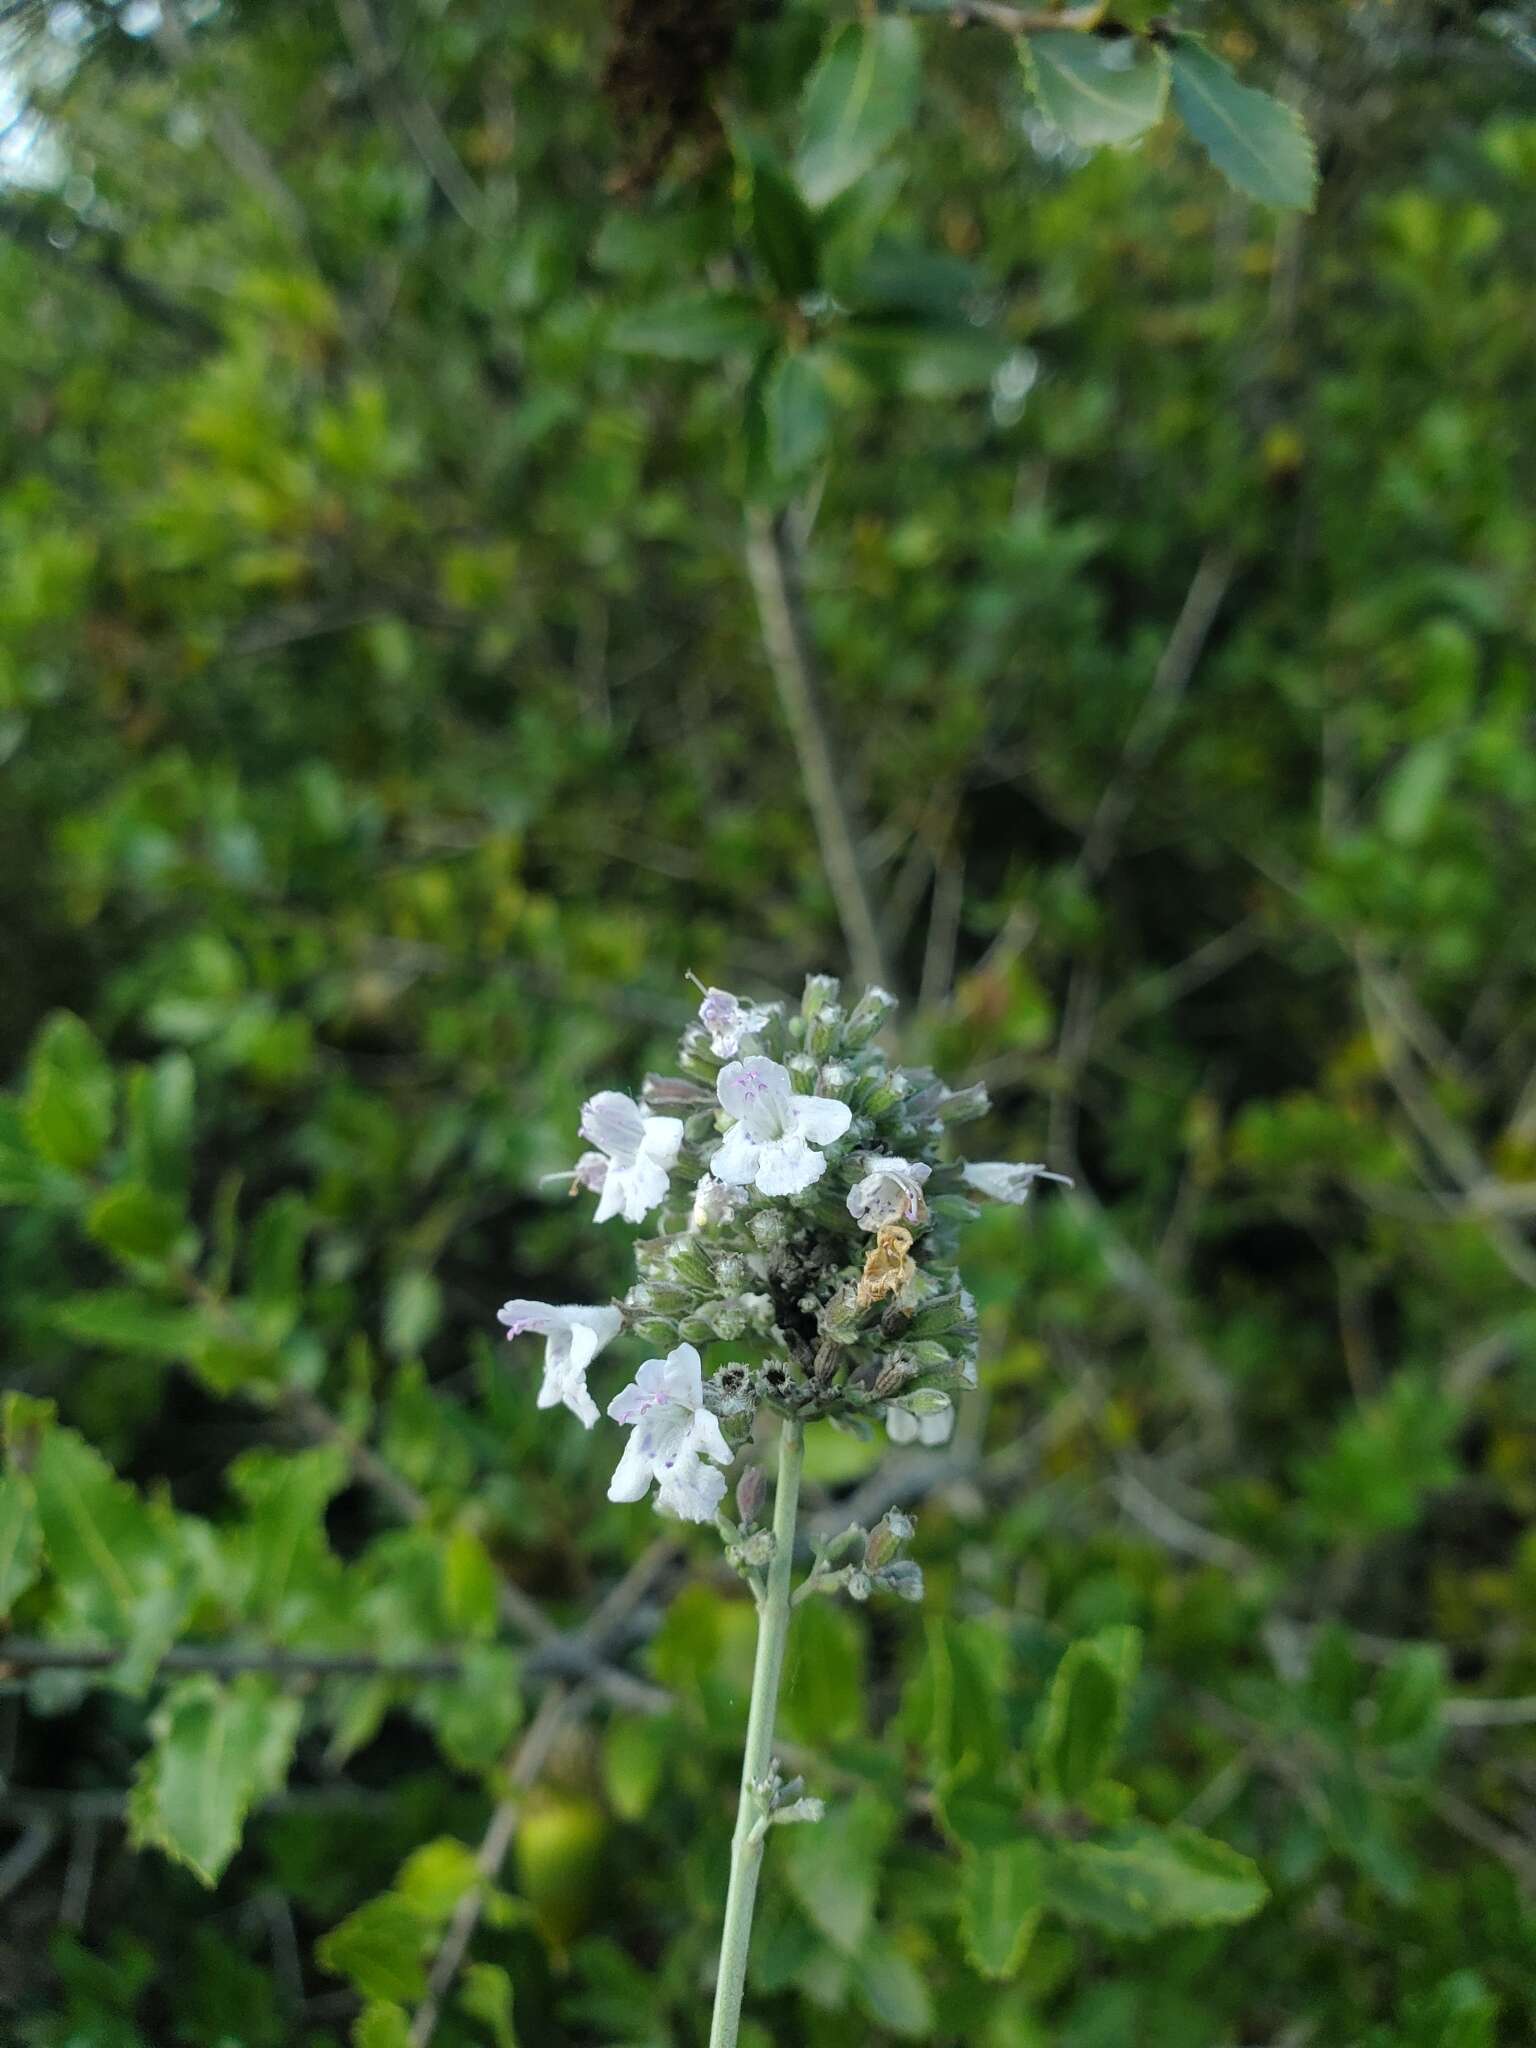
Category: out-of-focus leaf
[694,327]
[833,1867]
[21,1539]
[135,1222]
[1002,1894]
[68,1105]
[860,97]
[218,1749]
[1141,1879]
[1096,90]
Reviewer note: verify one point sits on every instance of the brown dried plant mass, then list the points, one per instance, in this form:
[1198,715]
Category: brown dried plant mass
[889,1267]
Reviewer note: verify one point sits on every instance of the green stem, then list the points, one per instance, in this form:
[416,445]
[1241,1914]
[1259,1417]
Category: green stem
[747,1842]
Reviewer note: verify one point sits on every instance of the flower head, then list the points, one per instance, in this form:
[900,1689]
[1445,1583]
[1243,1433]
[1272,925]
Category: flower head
[635,1154]
[728,1021]
[1007,1180]
[890,1192]
[772,1143]
[671,1434]
[572,1339]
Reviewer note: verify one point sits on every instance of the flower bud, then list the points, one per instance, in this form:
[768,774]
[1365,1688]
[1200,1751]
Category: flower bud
[965,1105]
[667,1092]
[731,1271]
[688,1263]
[859,1584]
[751,1493]
[695,1330]
[728,1319]
[902,1577]
[655,1331]
[770,1229]
[820,989]
[804,1072]
[824,1031]
[867,1015]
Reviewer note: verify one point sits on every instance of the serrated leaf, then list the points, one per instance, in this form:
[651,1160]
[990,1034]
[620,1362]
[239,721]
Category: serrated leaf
[115,1561]
[1084,1713]
[965,1731]
[68,1106]
[859,98]
[693,327]
[1257,143]
[1142,1879]
[1002,1893]
[21,1539]
[283,1557]
[134,1222]
[475,1716]
[218,1749]
[1096,91]
[833,1868]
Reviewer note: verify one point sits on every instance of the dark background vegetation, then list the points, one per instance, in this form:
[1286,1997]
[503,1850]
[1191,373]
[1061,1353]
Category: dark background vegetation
[388,723]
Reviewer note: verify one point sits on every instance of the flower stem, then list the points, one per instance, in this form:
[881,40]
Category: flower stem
[747,1842]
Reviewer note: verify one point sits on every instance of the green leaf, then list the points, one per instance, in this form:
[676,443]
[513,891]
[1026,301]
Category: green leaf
[381,2024]
[1258,144]
[694,327]
[115,1561]
[825,1693]
[1084,1714]
[858,100]
[965,1730]
[1002,1892]
[21,1539]
[159,1118]
[379,1949]
[134,1222]
[783,228]
[1096,90]
[487,1997]
[833,1868]
[283,1555]
[475,1716]
[67,1109]
[1142,1879]
[413,1306]
[796,415]
[218,1749]
[118,1319]
[635,1753]
[891,1989]
[1409,1695]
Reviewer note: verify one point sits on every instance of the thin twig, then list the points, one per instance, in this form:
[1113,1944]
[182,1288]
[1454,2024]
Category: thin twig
[1170,679]
[414,114]
[774,567]
[1013,21]
[226,1660]
[19,1862]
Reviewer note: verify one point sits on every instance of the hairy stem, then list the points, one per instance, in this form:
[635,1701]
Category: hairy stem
[747,1842]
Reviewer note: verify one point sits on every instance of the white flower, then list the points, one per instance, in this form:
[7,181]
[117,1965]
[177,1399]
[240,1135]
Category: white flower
[1007,1180]
[635,1153]
[728,1021]
[890,1192]
[771,1146]
[713,1202]
[671,1433]
[573,1337]
[903,1427]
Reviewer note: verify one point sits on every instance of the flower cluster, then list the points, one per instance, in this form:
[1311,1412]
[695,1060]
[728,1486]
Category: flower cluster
[806,1212]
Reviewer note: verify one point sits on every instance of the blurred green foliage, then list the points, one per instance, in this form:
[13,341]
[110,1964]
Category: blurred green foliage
[387,725]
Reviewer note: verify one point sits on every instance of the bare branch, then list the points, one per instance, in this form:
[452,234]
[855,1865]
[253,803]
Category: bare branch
[774,567]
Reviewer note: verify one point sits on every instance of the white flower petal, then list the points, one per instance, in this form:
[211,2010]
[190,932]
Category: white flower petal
[1007,1180]
[682,1377]
[758,1092]
[613,1122]
[785,1166]
[820,1118]
[693,1491]
[707,1438]
[736,1159]
[662,1140]
[632,1475]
